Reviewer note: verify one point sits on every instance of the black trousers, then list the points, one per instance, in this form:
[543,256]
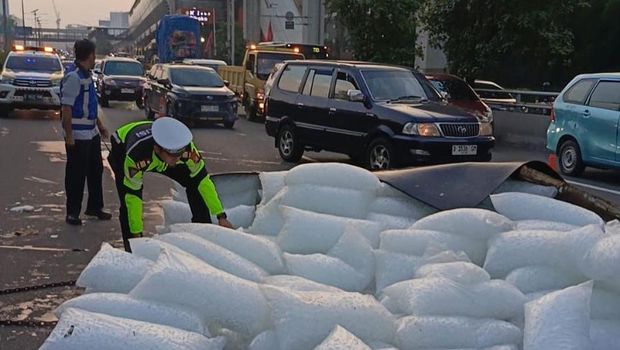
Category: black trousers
[180,173]
[84,163]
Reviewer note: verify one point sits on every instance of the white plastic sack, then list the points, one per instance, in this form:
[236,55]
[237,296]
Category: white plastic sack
[326,270]
[602,262]
[605,334]
[390,221]
[337,201]
[393,267]
[439,296]
[437,332]
[334,175]
[530,225]
[271,183]
[304,319]
[466,222]
[258,250]
[124,306]
[559,320]
[354,250]
[341,339]
[523,206]
[306,232]
[219,297]
[175,212]
[605,303]
[215,255]
[417,242]
[526,187]
[150,248]
[532,279]
[268,219]
[511,250]
[299,284]
[113,270]
[267,340]
[401,206]
[458,271]
[79,329]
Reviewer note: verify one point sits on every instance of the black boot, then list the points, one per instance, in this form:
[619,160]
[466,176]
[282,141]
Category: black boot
[73,220]
[100,214]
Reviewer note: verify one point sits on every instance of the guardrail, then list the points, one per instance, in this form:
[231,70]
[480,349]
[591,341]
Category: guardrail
[529,102]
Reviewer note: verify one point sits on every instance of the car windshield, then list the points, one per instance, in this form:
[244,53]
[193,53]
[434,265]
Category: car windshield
[33,64]
[267,61]
[393,85]
[123,68]
[195,77]
[457,90]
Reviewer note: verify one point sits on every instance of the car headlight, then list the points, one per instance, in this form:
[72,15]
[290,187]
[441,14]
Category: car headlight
[486,129]
[260,95]
[421,129]
[110,82]
[6,80]
[56,82]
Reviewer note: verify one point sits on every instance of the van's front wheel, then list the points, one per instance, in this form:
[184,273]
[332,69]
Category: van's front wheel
[289,147]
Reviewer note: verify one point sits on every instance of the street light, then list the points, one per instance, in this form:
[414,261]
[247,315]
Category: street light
[202,39]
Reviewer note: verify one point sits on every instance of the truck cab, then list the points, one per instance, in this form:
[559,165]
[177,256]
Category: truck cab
[248,80]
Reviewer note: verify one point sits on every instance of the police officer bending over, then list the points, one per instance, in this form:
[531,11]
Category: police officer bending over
[81,127]
[164,146]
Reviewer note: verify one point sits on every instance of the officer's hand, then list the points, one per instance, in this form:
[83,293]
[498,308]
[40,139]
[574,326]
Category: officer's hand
[225,223]
[104,133]
[69,142]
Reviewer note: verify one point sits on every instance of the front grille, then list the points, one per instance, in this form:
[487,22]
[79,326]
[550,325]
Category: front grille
[213,98]
[460,129]
[32,82]
[38,93]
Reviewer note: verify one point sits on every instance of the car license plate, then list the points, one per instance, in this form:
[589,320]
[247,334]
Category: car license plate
[127,91]
[464,150]
[33,97]
[208,108]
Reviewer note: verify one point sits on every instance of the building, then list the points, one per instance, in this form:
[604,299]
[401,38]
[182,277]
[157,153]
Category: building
[433,60]
[299,21]
[119,20]
[104,23]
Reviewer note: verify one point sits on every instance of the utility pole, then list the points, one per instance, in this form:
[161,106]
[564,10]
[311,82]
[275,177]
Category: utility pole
[214,39]
[5,19]
[228,26]
[232,32]
[24,22]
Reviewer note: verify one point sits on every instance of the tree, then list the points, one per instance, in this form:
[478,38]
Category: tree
[380,30]
[516,42]
[223,45]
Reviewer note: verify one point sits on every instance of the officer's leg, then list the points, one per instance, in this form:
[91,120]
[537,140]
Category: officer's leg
[116,159]
[94,176]
[200,211]
[75,175]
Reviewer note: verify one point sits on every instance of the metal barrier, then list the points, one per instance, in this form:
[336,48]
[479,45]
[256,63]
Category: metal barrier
[529,102]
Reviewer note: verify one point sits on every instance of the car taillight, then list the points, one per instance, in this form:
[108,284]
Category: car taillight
[552,115]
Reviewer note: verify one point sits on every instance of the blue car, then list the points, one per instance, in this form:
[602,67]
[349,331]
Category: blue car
[584,124]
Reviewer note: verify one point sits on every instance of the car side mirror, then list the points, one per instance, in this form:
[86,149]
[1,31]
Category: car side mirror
[96,71]
[164,82]
[226,83]
[356,96]
[445,95]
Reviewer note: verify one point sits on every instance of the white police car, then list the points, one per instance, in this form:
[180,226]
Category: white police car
[30,79]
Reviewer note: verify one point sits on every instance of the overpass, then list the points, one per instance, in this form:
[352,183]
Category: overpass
[68,35]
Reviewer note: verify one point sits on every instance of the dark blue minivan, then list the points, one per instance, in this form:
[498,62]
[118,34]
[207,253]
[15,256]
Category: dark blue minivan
[381,115]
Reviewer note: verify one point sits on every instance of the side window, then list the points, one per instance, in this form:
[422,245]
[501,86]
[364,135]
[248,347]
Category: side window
[250,63]
[164,73]
[578,93]
[606,95]
[309,81]
[344,83]
[291,78]
[321,84]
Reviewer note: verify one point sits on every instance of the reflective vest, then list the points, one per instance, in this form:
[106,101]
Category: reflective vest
[84,109]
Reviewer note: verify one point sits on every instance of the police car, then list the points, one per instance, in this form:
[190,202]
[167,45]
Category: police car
[30,79]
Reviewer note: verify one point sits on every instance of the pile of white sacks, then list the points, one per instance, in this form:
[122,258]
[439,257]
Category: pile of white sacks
[333,259]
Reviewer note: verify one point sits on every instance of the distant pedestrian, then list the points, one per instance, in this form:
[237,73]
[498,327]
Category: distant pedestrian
[82,129]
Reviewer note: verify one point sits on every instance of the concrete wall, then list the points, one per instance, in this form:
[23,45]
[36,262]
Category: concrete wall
[526,130]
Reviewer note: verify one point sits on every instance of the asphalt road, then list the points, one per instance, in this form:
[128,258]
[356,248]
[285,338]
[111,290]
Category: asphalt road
[37,247]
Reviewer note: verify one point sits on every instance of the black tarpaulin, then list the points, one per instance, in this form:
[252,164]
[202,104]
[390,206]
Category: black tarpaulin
[461,185]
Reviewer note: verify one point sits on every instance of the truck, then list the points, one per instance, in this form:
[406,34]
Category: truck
[248,80]
[178,38]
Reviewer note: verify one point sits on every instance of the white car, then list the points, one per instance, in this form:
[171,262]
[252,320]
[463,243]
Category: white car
[30,79]
[215,64]
[492,93]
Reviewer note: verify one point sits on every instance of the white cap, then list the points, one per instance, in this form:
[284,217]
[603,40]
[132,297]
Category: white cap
[171,135]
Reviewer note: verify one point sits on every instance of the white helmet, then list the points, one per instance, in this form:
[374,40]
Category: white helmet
[171,135]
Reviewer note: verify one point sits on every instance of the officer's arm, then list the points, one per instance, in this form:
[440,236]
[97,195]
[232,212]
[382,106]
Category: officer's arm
[201,179]
[70,91]
[133,195]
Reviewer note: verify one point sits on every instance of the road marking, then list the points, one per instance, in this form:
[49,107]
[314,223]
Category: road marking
[597,188]
[29,247]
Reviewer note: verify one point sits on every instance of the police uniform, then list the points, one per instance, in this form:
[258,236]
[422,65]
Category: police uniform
[133,154]
[84,160]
